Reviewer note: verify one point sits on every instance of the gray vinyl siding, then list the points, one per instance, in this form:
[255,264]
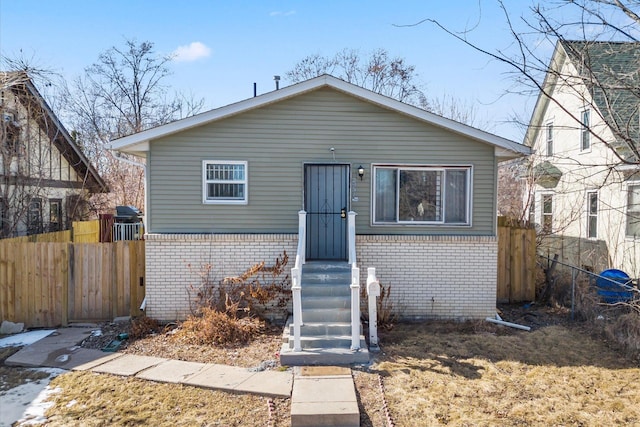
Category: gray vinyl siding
[278,139]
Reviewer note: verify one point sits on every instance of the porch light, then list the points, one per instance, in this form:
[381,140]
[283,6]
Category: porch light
[360,172]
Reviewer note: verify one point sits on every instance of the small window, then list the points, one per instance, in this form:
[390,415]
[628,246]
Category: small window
[34,218]
[547,213]
[585,142]
[55,214]
[592,214]
[550,139]
[633,210]
[422,195]
[224,182]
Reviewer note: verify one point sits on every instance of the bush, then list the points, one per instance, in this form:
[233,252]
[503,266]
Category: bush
[213,327]
[143,326]
[253,293]
[386,316]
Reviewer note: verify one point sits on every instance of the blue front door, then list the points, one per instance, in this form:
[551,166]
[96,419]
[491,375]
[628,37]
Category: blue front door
[326,200]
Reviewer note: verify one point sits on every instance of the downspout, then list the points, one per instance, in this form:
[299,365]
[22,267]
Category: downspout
[144,180]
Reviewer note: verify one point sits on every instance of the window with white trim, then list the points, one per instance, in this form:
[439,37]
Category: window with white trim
[633,210]
[547,213]
[592,214]
[224,182]
[585,137]
[422,195]
[549,139]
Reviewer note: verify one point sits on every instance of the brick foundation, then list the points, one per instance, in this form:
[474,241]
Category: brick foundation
[430,276]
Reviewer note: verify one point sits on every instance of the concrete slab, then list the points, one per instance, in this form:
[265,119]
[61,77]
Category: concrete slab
[56,350]
[171,371]
[128,365]
[324,414]
[324,390]
[325,396]
[323,371]
[220,377]
[268,383]
[103,358]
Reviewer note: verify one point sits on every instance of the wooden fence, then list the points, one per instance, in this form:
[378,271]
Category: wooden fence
[81,232]
[51,284]
[86,231]
[516,262]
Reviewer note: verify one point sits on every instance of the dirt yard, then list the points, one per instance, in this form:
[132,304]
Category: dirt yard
[432,374]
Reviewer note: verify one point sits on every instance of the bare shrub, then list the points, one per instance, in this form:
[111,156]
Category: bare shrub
[213,327]
[626,331]
[143,326]
[386,316]
[255,292]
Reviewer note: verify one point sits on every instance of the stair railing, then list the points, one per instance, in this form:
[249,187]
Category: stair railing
[296,279]
[355,283]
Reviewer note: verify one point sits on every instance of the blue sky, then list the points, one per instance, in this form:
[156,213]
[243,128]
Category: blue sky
[234,44]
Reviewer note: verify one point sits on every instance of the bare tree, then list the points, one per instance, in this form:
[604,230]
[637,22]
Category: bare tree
[601,41]
[383,74]
[123,92]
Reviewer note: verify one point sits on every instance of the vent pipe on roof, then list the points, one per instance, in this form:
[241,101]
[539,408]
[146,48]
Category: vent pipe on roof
[277,79]
[255,89]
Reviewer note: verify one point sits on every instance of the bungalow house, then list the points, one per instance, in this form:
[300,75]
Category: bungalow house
[45,178]
[584,191]
[235,186]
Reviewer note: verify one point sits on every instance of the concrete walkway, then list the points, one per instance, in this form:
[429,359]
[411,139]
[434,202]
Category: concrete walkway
[320,395]
[61,350]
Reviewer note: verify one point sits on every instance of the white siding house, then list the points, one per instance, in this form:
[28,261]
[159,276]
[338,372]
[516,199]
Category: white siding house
[585,181]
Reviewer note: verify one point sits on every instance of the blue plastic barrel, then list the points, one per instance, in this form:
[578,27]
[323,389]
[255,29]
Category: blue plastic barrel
[610,286]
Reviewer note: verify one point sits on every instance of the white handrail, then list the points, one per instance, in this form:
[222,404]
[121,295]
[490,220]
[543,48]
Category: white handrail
[296,279]
[355,283]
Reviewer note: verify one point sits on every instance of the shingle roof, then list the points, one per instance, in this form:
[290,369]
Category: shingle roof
[611,70]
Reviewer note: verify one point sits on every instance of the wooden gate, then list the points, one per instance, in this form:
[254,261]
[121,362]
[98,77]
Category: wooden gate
[51,284]
[516,262]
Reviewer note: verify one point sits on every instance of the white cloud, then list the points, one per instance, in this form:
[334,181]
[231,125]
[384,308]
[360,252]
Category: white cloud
[191,52]
[281,13]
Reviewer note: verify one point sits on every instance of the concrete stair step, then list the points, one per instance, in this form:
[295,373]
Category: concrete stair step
[323,328]
[326,267]
[324,356]
[323,341]
[326,315]
[316,290]
[310,302]
[326,278]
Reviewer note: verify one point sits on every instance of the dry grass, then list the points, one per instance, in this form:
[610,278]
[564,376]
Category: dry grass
[436,373]
[88,399]
[474,374]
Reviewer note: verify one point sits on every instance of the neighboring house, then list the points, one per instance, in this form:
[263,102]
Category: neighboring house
[584,191]
[45,179]
[225,187]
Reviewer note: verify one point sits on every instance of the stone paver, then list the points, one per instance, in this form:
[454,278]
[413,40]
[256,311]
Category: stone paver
[324,396]
[128,365]
[219,376]
[172,371]
[267,383]
[96,361]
